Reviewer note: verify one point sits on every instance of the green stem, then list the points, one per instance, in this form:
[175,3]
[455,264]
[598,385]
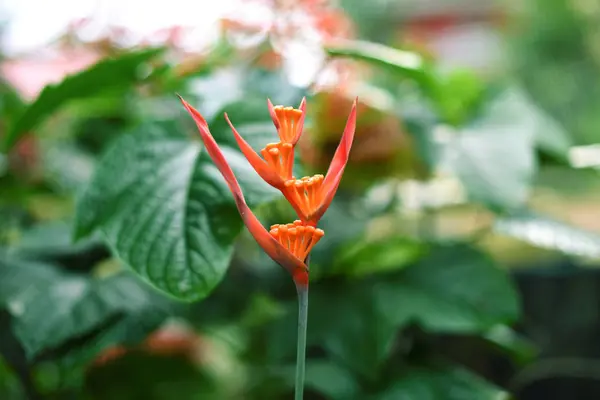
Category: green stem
[301,355]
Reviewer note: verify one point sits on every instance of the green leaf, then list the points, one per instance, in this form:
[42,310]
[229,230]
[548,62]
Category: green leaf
[107,74]
[10,387]
[403,63]
[520,349]
[455,289]
[441,383]
[11,103]
[153,378]
[352,327]
[332,380]
[550,136]
[49,307]
[494,156]
[461,93]
[345,319]
[547,233]
[166,211]
[48,240]
[389,254]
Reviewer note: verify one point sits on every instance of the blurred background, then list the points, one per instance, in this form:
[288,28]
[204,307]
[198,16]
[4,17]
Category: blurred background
[460,258]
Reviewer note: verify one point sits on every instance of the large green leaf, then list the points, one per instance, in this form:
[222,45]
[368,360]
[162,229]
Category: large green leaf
[547,233]
[454,289]
[165,210]
[494,156]
[441,383]
[108,74]
[49,307]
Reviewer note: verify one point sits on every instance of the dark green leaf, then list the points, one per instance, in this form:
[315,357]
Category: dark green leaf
[454,289]
[494,156]
[152,378]
[332,380]
[165,210]
[442,383]
[10,388]
[11,103]
[108,74]
[544,232]
[49,307]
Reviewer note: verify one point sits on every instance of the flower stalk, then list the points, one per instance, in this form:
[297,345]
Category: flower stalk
[301,348]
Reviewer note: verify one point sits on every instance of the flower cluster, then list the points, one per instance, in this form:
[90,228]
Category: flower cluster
[288,244]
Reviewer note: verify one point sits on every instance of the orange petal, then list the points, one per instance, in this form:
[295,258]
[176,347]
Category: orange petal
[338,163]
[273,115]
[260,166]
[342,153]
[300,126]
[271,246]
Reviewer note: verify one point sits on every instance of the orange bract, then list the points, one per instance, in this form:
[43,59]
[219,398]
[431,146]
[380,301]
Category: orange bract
[298,238]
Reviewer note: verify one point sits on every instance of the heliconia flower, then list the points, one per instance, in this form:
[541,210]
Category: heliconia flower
[310,196]
[287,245]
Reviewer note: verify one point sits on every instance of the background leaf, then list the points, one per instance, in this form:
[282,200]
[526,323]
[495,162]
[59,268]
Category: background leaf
[454,289]
[79,304]
[442,383]
[116,73]
[547,233]
[494,156]
[404,63]
[362,257]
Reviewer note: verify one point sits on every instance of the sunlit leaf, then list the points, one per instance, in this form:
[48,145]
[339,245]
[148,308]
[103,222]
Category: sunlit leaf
[494,156]
[547,233]
[402,62]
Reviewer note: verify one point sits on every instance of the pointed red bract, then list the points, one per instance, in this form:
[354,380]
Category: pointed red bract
[272,247]
[273,114]
[342,153]
[300,126]
[259,165]
[338,164]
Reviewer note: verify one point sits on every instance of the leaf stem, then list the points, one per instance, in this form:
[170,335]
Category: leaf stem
[301,354]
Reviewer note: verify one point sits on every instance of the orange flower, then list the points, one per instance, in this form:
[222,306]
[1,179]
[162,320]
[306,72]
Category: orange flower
[289,244]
